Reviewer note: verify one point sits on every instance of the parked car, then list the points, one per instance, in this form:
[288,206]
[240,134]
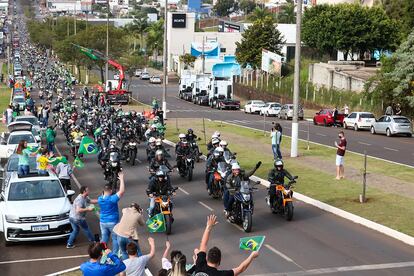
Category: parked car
[116,76]
[270,109]
[20,101]
[325,117]
[31,119]
[392,125]
[18,131]
[359,120]
[12,165]
[155,80]
[145,76]
[34,207]
[254,106]
[138,73]
[286,112]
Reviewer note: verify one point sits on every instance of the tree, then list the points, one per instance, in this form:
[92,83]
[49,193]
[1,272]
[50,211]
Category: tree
[132,62]
[139,26]
[287,14]
[395,81]
[225,7]
[263,34]
[260,14]
[247,6]
[187,59]
[401,11]
[155,35]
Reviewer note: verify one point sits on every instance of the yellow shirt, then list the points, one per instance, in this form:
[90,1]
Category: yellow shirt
[43,162]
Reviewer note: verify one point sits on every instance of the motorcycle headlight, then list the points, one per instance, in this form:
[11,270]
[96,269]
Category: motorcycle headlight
[133,144]
[114,164]
[12,219]
[164,203]
[246,197]
[143,125]
[189,159]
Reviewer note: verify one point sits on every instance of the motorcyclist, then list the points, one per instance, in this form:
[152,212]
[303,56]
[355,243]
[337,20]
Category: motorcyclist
[76,134]
[233,182]
[158,186]
[158,161]
[190,136]
[211,166]
[152,132]
[151,148]
[277,176]
[181,138]
[126,135]
[215,144]
[214,137]
[183,150]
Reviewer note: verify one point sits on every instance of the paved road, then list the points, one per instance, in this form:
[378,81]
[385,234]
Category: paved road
[396,149]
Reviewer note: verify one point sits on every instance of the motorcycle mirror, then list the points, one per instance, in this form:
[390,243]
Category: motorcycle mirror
[198,139]
[295,177]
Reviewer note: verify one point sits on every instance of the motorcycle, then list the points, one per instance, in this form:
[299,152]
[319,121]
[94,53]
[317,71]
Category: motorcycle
[219,178]
[112,169]
[188,166]
[283,203]
[194,147]
[230,158]
[75,147]
[243,206]
[163,205]
[131,152]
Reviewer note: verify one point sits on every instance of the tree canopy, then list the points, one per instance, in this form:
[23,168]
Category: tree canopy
[225,7]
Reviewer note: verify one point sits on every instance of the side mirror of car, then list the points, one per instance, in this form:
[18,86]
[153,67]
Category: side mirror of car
[70,192]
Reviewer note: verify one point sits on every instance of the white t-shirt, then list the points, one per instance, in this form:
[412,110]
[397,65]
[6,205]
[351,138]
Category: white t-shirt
[136,266]
[166,264]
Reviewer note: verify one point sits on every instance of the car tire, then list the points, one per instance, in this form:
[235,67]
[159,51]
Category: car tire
[356,128]
[325,124]
[373,130]
[388,132]
[409,135]
[314,122]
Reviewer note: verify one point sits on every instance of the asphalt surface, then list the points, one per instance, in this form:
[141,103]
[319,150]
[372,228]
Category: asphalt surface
[395,149]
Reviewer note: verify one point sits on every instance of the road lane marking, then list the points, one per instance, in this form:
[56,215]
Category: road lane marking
[390,149]
[320,134]
[206,206]
[362,143]
[184,191]
[277,252]
[44,259]
[341,269]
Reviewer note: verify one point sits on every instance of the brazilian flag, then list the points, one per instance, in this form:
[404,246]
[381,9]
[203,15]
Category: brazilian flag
[87,146]
[97,132]
[156,224]
[251,243]
[56,160]
[78,163]
[32,149]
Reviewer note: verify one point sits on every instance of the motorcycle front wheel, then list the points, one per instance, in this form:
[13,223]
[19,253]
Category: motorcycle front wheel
[132,158]
[289,211]
[168,224]
[190,173]
[247,222]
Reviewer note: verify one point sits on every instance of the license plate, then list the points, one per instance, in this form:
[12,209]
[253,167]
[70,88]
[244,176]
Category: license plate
[38,228]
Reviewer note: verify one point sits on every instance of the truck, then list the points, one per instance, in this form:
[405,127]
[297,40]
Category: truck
[221,93]
[200,89]
[185,88]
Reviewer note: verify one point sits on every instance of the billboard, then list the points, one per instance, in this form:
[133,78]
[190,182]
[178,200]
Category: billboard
[211,49]
[229,27]
[179,20]
[271,62]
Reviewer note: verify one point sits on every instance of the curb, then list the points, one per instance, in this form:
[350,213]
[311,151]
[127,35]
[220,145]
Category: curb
[339,212]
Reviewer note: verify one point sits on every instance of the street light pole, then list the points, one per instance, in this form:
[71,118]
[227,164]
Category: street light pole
[164,92]
[107,42]
[296,84]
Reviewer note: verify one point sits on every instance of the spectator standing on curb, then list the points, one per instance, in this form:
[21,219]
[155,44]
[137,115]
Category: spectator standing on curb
[109,214]
[335,116]
[398,110]
[389,111]
[208,263]
[126,229]
[135,265]
[9,114]
[45,115]
[50,138]
[340,153]
[94,267]
[276,135]
[77,216]
[346,110]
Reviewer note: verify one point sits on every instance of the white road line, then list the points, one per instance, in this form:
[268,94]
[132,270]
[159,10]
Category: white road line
[341,269]
[44,259]
[184,191]
[277,252]
[362,143]
[390,149]
[139,161]
[237,226]
[206,206]
[320,134]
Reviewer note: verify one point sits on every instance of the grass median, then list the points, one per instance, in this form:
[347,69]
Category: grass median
[315,168]
[4,102]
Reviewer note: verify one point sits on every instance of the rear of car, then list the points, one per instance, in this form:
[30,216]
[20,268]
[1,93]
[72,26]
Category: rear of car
[401,125]
[286,112]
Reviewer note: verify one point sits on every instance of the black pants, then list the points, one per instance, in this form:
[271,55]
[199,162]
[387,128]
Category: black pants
[66,185]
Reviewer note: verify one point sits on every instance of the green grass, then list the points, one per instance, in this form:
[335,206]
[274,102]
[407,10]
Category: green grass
[4,102]
[211,29]
[392,210]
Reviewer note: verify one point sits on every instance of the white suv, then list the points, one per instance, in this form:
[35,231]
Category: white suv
[34,207]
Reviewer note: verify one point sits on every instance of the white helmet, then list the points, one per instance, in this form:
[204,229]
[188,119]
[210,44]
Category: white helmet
[217,133]
[159,152]
[151,140]
[181,136]
[112,141]
[220,149]
[223,143]
[214,136]
[235,166]
[215,141]
[158,142]
[153,126]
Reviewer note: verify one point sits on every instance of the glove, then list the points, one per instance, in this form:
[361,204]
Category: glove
[258,164]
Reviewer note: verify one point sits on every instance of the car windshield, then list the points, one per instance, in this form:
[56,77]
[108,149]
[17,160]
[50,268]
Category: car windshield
[401,120]
[275,105]
[367,115]
[18,100]
[32,120]
[12,164]
[16,138]
[35,190]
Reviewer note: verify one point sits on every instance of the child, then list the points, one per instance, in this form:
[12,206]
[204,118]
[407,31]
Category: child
[43,162]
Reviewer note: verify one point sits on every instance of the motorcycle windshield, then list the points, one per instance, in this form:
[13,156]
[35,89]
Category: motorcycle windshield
[244,187]
[113,156]
[221,168]
[227,156]
[164,169]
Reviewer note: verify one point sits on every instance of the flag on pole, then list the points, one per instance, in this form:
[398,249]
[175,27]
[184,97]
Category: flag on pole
[78,163]
[56,160]
[156,224]
[251,243]
[87,146]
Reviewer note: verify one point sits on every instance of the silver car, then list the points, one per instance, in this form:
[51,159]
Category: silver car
[392,125]
[286,112]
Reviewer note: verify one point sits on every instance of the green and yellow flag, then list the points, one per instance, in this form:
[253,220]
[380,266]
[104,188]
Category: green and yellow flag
[32,148]
[56,160]
[251,243]
[156,224]
[87,146]
[78,163]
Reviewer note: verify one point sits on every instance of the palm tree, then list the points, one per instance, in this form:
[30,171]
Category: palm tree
[139,26]
[287,15]
[155,35]
[260,14]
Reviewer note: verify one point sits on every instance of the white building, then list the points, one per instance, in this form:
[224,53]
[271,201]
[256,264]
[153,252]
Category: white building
[368,3]
[69,6]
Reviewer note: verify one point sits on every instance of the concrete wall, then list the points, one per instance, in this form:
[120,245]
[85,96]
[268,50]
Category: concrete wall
[328,76]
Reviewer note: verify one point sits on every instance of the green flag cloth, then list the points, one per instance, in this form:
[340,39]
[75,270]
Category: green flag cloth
[97,131]
[32,148]
[89,53]
[252,243]
[56,160]
[87,146]
[156,224]
[78,163]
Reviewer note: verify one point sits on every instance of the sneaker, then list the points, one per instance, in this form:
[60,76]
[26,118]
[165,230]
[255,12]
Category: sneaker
[68,246]
[209,191]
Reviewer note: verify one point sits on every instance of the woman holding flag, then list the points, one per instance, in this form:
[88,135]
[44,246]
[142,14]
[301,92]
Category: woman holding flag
[24,152]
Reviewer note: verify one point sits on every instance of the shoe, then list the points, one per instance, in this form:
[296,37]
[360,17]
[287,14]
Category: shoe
[209,191]
[68,246]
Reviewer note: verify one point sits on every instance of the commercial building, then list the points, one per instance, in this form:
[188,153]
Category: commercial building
[69,6]
[368,3]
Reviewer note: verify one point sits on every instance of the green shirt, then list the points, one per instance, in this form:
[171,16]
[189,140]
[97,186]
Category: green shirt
[24,157]
[50,135]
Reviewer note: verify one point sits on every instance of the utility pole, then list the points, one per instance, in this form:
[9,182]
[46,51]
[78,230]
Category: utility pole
[74,19]
[107,43]
[203,57]
[164,92]
[296,83]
